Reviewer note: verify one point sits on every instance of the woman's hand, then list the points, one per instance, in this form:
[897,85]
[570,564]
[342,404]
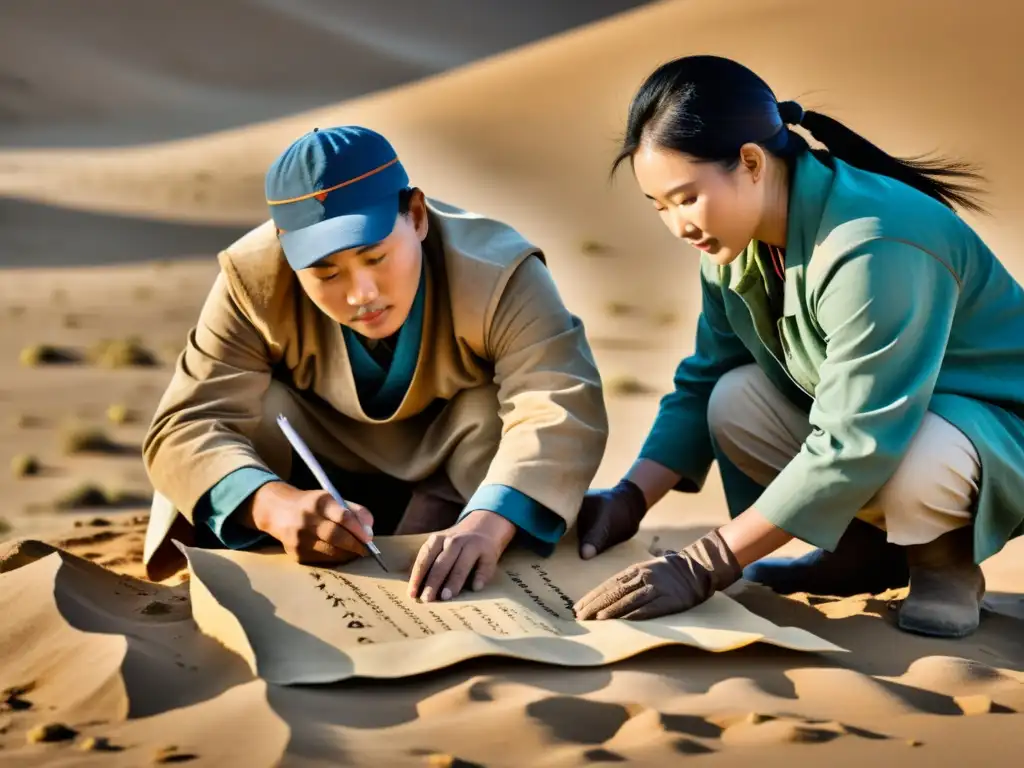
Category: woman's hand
[679,581]
[613,516]
[609,517]
[672,583]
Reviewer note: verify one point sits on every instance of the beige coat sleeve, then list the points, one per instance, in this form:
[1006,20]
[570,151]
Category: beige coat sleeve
[199,433]
[555,426]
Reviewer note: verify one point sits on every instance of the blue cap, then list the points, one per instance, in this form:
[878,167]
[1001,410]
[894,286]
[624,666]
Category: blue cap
[334,189]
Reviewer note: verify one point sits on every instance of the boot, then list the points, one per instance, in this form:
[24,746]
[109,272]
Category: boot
[862,563]
[946,587]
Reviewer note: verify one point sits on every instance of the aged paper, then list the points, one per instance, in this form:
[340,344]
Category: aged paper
[299,624]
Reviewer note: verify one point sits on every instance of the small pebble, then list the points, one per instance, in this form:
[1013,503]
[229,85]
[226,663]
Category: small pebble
[440,760]
[12,698]
[50,732]
[98,744]
[913,743]
[172,755]
[156,608]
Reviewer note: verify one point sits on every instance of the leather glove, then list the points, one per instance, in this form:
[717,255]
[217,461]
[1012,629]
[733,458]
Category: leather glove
[609,517]
[673,583]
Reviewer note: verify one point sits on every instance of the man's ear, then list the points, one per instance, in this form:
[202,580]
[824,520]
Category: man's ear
[418,213]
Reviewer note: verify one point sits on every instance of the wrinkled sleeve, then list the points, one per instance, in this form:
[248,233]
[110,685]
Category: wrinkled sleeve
[680,439]
[200,431]
[886,312]
[215,511]
[542,526]
[554,422]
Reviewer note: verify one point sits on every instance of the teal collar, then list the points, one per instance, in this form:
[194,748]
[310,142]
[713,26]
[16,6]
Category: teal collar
[810,188]
[381,389]
[809,191]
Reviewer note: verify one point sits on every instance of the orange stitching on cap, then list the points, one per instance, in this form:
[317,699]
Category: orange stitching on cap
[322,193]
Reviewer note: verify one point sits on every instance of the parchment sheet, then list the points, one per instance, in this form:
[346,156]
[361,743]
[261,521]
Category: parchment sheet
[301,624]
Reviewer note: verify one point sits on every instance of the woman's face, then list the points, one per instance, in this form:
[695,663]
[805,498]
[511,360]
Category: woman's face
[714,209]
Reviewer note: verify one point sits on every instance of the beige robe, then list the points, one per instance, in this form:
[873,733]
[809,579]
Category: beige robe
[524,401]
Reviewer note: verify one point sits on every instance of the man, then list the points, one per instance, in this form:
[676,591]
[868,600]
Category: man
[422,352]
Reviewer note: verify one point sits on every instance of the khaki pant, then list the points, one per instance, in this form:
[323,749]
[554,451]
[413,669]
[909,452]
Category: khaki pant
[931,493]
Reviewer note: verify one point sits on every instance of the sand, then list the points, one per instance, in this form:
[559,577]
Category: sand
[119,243]
[111,72]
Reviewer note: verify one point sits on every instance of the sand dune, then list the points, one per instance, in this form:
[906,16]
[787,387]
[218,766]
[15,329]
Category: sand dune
[525,135]
[47,236]
[108,72]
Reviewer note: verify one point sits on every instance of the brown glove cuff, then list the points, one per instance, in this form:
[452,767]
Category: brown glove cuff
[713,555]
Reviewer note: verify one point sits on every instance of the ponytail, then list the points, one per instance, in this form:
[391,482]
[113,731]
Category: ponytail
[937,178]
[708,107]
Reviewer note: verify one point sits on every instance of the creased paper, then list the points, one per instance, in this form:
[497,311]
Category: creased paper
[301,624]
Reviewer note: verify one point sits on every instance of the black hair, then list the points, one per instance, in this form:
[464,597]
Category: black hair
[405,199]
[708,107]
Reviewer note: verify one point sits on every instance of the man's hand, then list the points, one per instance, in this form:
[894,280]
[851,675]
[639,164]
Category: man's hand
[445,560]
[312,526]
[609,517]
[672,583]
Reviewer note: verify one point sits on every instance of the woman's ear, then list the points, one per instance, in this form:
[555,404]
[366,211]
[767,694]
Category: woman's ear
[753,160]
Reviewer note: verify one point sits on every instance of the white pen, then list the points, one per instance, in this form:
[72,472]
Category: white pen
[314,466]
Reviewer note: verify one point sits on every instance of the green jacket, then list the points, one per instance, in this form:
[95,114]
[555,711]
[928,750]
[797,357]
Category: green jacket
[892,306]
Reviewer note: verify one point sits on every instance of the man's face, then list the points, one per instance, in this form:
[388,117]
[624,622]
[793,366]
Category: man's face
[371,289]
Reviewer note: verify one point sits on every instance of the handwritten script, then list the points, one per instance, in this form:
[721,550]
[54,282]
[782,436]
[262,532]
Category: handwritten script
[381,612]
[301,624]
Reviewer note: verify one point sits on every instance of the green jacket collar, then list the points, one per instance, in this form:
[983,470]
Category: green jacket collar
[810,187]
[809,191]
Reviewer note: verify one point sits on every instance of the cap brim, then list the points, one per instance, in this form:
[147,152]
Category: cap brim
[305,247]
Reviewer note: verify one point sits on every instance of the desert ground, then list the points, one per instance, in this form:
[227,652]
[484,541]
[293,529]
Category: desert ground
[108,254]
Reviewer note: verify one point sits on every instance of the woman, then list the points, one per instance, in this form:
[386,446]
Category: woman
[857,371]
